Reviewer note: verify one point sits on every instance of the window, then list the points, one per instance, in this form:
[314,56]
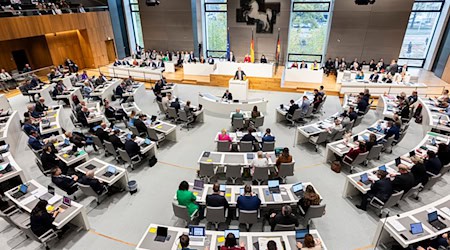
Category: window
[135,16]
[421,26]
[216,27]
[308,30]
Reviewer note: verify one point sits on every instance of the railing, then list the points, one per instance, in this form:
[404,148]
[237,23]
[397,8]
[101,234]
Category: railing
[38,12]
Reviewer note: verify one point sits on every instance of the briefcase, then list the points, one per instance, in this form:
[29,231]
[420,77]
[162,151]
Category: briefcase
[336,166]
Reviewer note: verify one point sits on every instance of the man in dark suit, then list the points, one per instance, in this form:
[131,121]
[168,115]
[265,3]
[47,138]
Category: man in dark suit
[132,147]
[393,67]
[34,142]
[40,106]
[231,58]
[115,140]
[382,189]
[239,74]
[227,95]
[28,127]
[352,113]
[216,199]
[176,105]
[374,77]
[405,181]
[433,164]
[101,133]
[361,105]
[392,130]
[95,184]
[82,116]
[66,183]
[284,218]
[294,106]
[140,125]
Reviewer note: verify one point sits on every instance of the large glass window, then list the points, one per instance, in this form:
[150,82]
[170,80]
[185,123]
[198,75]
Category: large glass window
[134,5]
[421,26]
[216,27]
[308,30]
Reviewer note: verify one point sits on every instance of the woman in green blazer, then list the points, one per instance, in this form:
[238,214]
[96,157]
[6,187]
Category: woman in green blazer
[186,198]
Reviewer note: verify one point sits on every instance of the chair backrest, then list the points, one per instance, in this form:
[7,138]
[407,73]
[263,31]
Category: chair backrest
[124,155]
[309,112]
[400,138]
[259,121]
[238,123]
[183,116]
[368,108]
[245,146]
[172,112]
[412,191]
[223,146]
[432,181]
[233,171]
[215,214]
[261,174]
[388,142]
[134,130]
[248,216]
[286,169]
[445,169]
[109,147]
[315,211]
[322,137]
[268,146]
[297,114]
[161,107]
[349,126]
[374,152]
[97,141]
[360,158]
[393,200]
[357,121]
[280,227]
[180,211]
[206,169]
[87,190]
[338,135]
[152,134]
[27,231]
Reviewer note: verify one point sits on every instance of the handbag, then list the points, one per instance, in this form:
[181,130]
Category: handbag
[336,166]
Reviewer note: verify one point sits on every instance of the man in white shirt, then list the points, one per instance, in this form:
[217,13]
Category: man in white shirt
[166,101]
[5,77]
[332,131]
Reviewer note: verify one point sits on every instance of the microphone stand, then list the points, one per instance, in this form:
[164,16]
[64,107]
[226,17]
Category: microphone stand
[381,231]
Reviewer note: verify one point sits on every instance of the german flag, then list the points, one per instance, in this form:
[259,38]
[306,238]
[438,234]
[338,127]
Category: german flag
[278,49]
[252,49]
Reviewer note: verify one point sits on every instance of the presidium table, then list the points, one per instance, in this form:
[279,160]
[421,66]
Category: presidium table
[229,68]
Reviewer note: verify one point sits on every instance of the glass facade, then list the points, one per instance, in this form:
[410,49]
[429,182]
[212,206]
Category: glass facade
[216,27]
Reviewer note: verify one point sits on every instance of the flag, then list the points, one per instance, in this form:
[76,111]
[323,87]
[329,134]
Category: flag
[252,49]
[228,43]
[278,49]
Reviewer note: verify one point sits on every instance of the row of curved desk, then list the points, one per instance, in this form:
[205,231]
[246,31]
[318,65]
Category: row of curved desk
[433,117]
[217,105]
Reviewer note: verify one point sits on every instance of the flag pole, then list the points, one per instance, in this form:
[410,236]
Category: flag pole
[277,52]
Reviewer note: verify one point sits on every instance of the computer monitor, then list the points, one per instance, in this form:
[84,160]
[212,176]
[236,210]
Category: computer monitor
[383,168]
[67,201]
[432,216]
[51,190]
[235,232]
[364,177]
[223,188]
[198,184]
[273,183]
[297,187]
[111,169]
[300,234]
[416,228]
[196,231]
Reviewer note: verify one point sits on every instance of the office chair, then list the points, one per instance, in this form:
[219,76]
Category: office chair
[414,191]
[14,215]
[182,212]
[268,146]
[374,153]
[134,130]
[248,217]
[223,146]
[187,120]
[132,161]
[233,172]
[88,191]
[237,124]
[207,170]
[216,215]
[292,119]
[259,122]
[392,201]
[358,160]
[39,164]
[280,227]
[44,239]
[285,170]
[314,211]
[245,146]
[431,182]
[172,113]
[387,145]
[357,121]
[445,169]
[319,139]
[260,175]
[155,136]
[98,142]
[110,150]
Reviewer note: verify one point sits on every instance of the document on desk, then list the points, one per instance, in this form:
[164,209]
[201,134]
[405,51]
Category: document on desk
[397,225]
[277,197]
[341,146]
[446,210]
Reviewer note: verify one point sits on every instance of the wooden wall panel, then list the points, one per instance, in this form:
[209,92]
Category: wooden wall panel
[35,48]
[97,25]
[63,45]
[446,73]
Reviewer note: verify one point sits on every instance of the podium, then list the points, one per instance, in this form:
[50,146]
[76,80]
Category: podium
[238,88]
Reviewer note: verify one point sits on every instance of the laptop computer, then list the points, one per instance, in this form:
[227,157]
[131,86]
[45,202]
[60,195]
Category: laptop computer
[66,203]
[196,236]
[90,166]
[355,138]
[223,188]
[198,184]
[412,153]
[235,232]
[5,168]
[274,186]
[300,235]
[250,156]
[147,142]
[110,171]
[241,191]
[297,189]
[21,192]
[161,234]
[383,168]
[416,228]
[365,179]
[434,221]
[50,193]
[398,161]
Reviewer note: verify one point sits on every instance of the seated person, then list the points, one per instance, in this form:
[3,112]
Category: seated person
[333,130]
[352,113]
[381,189]
[132,147]
[309,198]
[112,113]
[216,199]
[263,59]
[404,181]
[80,140]
[362,105]
[371,142]
[441,242]
[307,103]
[190,111]
[32,113]
[249,136]
[231,243]
[360,75]
[82,116]
[40,106]
[315,65]
[227,95]
[224,136]
[28,127]
[284,157]
[88,179]
[284,218]
[443,154]
[117,62]
[392,129]
[49,159]
[354,152]
[176,104]
[293,107]
[310,243]
[247,59]
[418,170]
[187,198]
[66,183]
[294,65]
[303,65]
[255,112]
[210,60]
[259,162]
[34,141]
[101,133]
[120,90]
[115,140]
[132,118]
[268,137]
[41,220]
[433,165]
[202,59]
[249,201]
[140,125]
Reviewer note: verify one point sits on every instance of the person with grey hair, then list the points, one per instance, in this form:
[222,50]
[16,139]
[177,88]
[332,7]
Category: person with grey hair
[95,184]
[259,162]
[285,217]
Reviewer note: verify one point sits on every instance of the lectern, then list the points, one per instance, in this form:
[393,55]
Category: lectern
[239,89]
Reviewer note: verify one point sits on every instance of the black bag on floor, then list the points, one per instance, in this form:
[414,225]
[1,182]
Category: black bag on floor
[152,161]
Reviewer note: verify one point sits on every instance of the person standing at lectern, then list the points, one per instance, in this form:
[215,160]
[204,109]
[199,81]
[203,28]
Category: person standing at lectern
[227,95]
[239,74]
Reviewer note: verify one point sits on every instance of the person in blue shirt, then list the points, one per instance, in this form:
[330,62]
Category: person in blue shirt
[305,105]
[34,142]
[360,75]
[393,129]
[249,201]
[28,127]
[268,136]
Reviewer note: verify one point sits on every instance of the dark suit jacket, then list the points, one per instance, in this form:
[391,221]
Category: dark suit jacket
[40,107]
[119,90]
[48,160]
[216,200]
[63,182]
[116,142]
[382,189]
[248,137]
[403,182]
[175,105]
[362,105]
[140,126]
[35,143]
[248,202]
[420,174]
[93,183]
[228,97]
[132,148]
[433,165]
[110,112]
[292,108]
[210,60]
[102,134]
[393,131]
[283,220]
[236,76]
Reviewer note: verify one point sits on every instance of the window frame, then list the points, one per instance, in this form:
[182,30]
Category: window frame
[206,11]
[311,2]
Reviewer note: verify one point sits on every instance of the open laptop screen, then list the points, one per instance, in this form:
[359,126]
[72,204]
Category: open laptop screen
[273,183]
[196,231]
